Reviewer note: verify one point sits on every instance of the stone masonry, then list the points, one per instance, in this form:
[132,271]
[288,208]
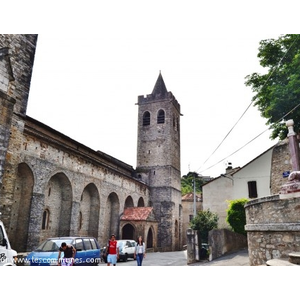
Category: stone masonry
[273,228]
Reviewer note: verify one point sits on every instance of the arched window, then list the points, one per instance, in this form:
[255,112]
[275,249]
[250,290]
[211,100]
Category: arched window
[80,221]
[45,222]
[161,117]
[146,118]
[141,202]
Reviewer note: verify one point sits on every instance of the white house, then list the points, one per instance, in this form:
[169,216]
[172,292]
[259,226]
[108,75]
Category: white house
[251,181]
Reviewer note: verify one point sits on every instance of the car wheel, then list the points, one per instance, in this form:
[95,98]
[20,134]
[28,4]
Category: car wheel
[125,257]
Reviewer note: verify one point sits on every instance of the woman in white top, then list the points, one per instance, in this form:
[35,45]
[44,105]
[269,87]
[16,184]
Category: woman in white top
[140,251]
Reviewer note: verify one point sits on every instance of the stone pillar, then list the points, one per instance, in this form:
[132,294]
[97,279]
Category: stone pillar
[293,145]
[35,223]
[192,237]
[74,218]
[293,184]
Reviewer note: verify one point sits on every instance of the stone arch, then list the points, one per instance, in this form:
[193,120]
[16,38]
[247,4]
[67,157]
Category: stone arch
[128,232]
[128,202]
[150,238]
[112,218]
[89,211]
[58,200]
[23,195]
[141,202]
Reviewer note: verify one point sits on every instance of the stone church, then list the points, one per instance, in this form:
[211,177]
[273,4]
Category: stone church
[52,185]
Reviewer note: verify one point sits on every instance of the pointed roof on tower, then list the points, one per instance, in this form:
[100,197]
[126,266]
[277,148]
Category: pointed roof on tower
[159,89]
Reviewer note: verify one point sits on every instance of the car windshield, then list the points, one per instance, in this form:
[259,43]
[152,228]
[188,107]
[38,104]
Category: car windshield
[52,245]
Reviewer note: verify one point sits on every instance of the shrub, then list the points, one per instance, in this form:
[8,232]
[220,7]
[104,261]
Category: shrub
[236,216]
[204,222]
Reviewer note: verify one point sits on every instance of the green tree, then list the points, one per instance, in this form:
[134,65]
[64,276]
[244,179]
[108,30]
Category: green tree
[204,221]
[236,216]
[187,183]
[277,92]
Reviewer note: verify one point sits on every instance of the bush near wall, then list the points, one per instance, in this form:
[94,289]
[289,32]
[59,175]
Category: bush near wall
[236,216]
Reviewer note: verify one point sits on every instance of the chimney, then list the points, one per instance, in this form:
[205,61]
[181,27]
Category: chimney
[229,168]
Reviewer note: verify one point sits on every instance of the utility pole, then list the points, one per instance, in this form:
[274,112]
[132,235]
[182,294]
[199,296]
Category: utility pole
[194,185]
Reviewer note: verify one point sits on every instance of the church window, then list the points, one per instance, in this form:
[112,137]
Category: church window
[161,117]
[45,222]
[80,221]
[146,118]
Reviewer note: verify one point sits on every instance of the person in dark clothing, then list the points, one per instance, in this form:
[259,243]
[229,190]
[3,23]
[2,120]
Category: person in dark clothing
[69,255]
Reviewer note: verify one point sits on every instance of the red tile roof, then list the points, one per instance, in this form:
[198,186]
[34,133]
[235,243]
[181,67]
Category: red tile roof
[137,213]
[190,196]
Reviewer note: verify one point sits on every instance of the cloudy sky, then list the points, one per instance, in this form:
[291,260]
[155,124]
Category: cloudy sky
[93,61]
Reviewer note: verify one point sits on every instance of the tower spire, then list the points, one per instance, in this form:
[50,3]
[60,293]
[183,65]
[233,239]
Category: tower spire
[159,89]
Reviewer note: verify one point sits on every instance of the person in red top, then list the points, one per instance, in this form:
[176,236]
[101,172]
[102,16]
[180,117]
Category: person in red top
[112,251]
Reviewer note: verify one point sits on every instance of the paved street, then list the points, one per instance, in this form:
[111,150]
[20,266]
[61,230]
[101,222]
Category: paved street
[179,258]
[239,258]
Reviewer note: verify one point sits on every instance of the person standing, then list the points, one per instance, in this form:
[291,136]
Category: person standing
[140,251]
[69,255]
[112,251]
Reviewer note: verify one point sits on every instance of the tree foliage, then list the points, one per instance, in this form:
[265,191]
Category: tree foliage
[277,92]
[236,216]
[204,221]
[187,183]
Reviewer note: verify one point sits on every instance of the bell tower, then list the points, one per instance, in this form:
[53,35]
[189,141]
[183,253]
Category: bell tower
[158,161]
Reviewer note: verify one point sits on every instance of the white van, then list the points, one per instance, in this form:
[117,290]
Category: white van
[8,256]
[126,249]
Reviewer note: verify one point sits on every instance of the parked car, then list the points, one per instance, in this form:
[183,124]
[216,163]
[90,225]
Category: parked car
[126,250]
[46,254]
[8,256]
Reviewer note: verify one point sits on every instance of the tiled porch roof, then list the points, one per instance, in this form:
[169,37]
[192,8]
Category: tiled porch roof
[137,213]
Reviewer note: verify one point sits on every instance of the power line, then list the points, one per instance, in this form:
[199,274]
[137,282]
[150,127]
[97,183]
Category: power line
[252,139]
[277,66]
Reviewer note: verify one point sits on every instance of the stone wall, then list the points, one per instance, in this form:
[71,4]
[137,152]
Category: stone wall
[17,53]
[224,241]
[273,228]
[80,191]
[7,105]
[21,51]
